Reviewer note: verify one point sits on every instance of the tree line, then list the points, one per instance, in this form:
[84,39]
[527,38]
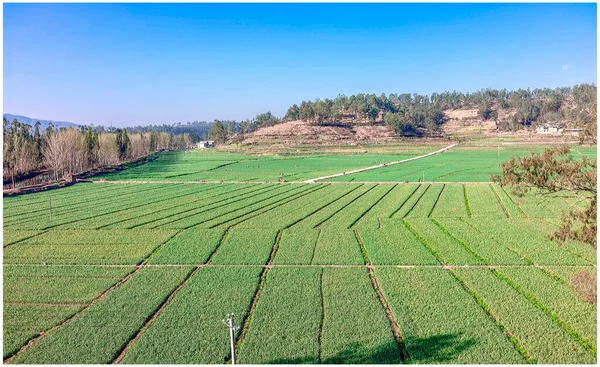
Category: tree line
[409,114]
[64,151]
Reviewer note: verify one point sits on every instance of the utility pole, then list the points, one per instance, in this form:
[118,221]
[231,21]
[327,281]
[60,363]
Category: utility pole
[229,322]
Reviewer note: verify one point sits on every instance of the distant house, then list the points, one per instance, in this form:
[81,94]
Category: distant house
[205,144]
[551,128]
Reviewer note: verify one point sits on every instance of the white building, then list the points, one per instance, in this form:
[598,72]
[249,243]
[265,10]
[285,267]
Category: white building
[205,144]
[550,128]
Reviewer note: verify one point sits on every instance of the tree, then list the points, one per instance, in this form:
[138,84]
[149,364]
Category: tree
[293,113]
[123,143]
[37,140]
[554,171]
[91,141]
[218,132]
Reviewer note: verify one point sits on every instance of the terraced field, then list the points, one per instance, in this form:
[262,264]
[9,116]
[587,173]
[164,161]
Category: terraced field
[315,273]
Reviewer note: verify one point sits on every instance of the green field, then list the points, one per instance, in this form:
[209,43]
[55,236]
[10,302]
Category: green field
[458,271]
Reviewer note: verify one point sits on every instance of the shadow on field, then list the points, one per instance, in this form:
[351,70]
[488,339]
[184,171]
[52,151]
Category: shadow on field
[442,348]
[436,349]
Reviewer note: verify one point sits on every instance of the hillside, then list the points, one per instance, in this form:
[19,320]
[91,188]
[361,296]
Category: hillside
[43,123]
[460,122]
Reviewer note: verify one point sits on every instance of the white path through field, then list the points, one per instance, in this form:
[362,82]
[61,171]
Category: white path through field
[379,165]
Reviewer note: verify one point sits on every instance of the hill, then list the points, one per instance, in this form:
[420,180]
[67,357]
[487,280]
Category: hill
[43,123]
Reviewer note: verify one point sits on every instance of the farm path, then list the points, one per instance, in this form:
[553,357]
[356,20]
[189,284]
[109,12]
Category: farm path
[381,165]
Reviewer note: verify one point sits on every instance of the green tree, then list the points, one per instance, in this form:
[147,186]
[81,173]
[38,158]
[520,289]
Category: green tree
[37,140]
[218,132]
[554,171]
[122,143]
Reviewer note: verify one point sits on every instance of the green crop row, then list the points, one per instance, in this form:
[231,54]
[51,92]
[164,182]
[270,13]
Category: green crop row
[542,229]
[543,340]
[103,216]
[483,202]
[352,213]
[485,247]
[409,203]
[386,207]
[426,204]
[86,217]
[189,330]
[337,246]
[101,237]
[57,284]
[451,203]
[355,328]
[24,322]
[245,246]
[285,215]
[296,246]
[99,333]
[11,236]
[192,246]
[285,325]
[139,216]
[239,208]
[267,206]
[38,298]
[107,201]
[559,299]
[537,249]
[394,245]
[314,219]
[440,243]
[440,322]
[210,206]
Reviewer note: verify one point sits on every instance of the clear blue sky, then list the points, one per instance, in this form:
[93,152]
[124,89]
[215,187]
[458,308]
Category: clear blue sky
[135,64]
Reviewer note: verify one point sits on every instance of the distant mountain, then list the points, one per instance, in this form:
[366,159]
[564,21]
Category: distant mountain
[43,123]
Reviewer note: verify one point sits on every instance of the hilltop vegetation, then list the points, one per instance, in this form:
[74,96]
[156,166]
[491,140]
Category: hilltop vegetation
[417,115]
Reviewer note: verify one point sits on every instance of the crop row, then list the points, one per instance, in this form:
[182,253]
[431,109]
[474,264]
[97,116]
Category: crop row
[215,202]
[87,247]
[510,304]
[85,216]
[38,298]
[99,333]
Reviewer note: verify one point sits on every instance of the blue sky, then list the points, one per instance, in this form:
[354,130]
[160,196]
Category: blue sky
[135,64]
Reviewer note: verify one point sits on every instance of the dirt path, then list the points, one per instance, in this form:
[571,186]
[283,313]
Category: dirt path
[380,165]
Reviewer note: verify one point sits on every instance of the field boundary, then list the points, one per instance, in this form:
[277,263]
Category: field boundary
[153,317]
[380,165]
[384,303]
[67,321]
[261,284]
[400,266]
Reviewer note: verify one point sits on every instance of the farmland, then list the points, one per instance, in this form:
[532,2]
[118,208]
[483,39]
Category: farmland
[381,266]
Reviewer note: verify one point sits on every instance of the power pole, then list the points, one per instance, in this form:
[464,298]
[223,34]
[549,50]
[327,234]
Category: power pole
[229,322]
